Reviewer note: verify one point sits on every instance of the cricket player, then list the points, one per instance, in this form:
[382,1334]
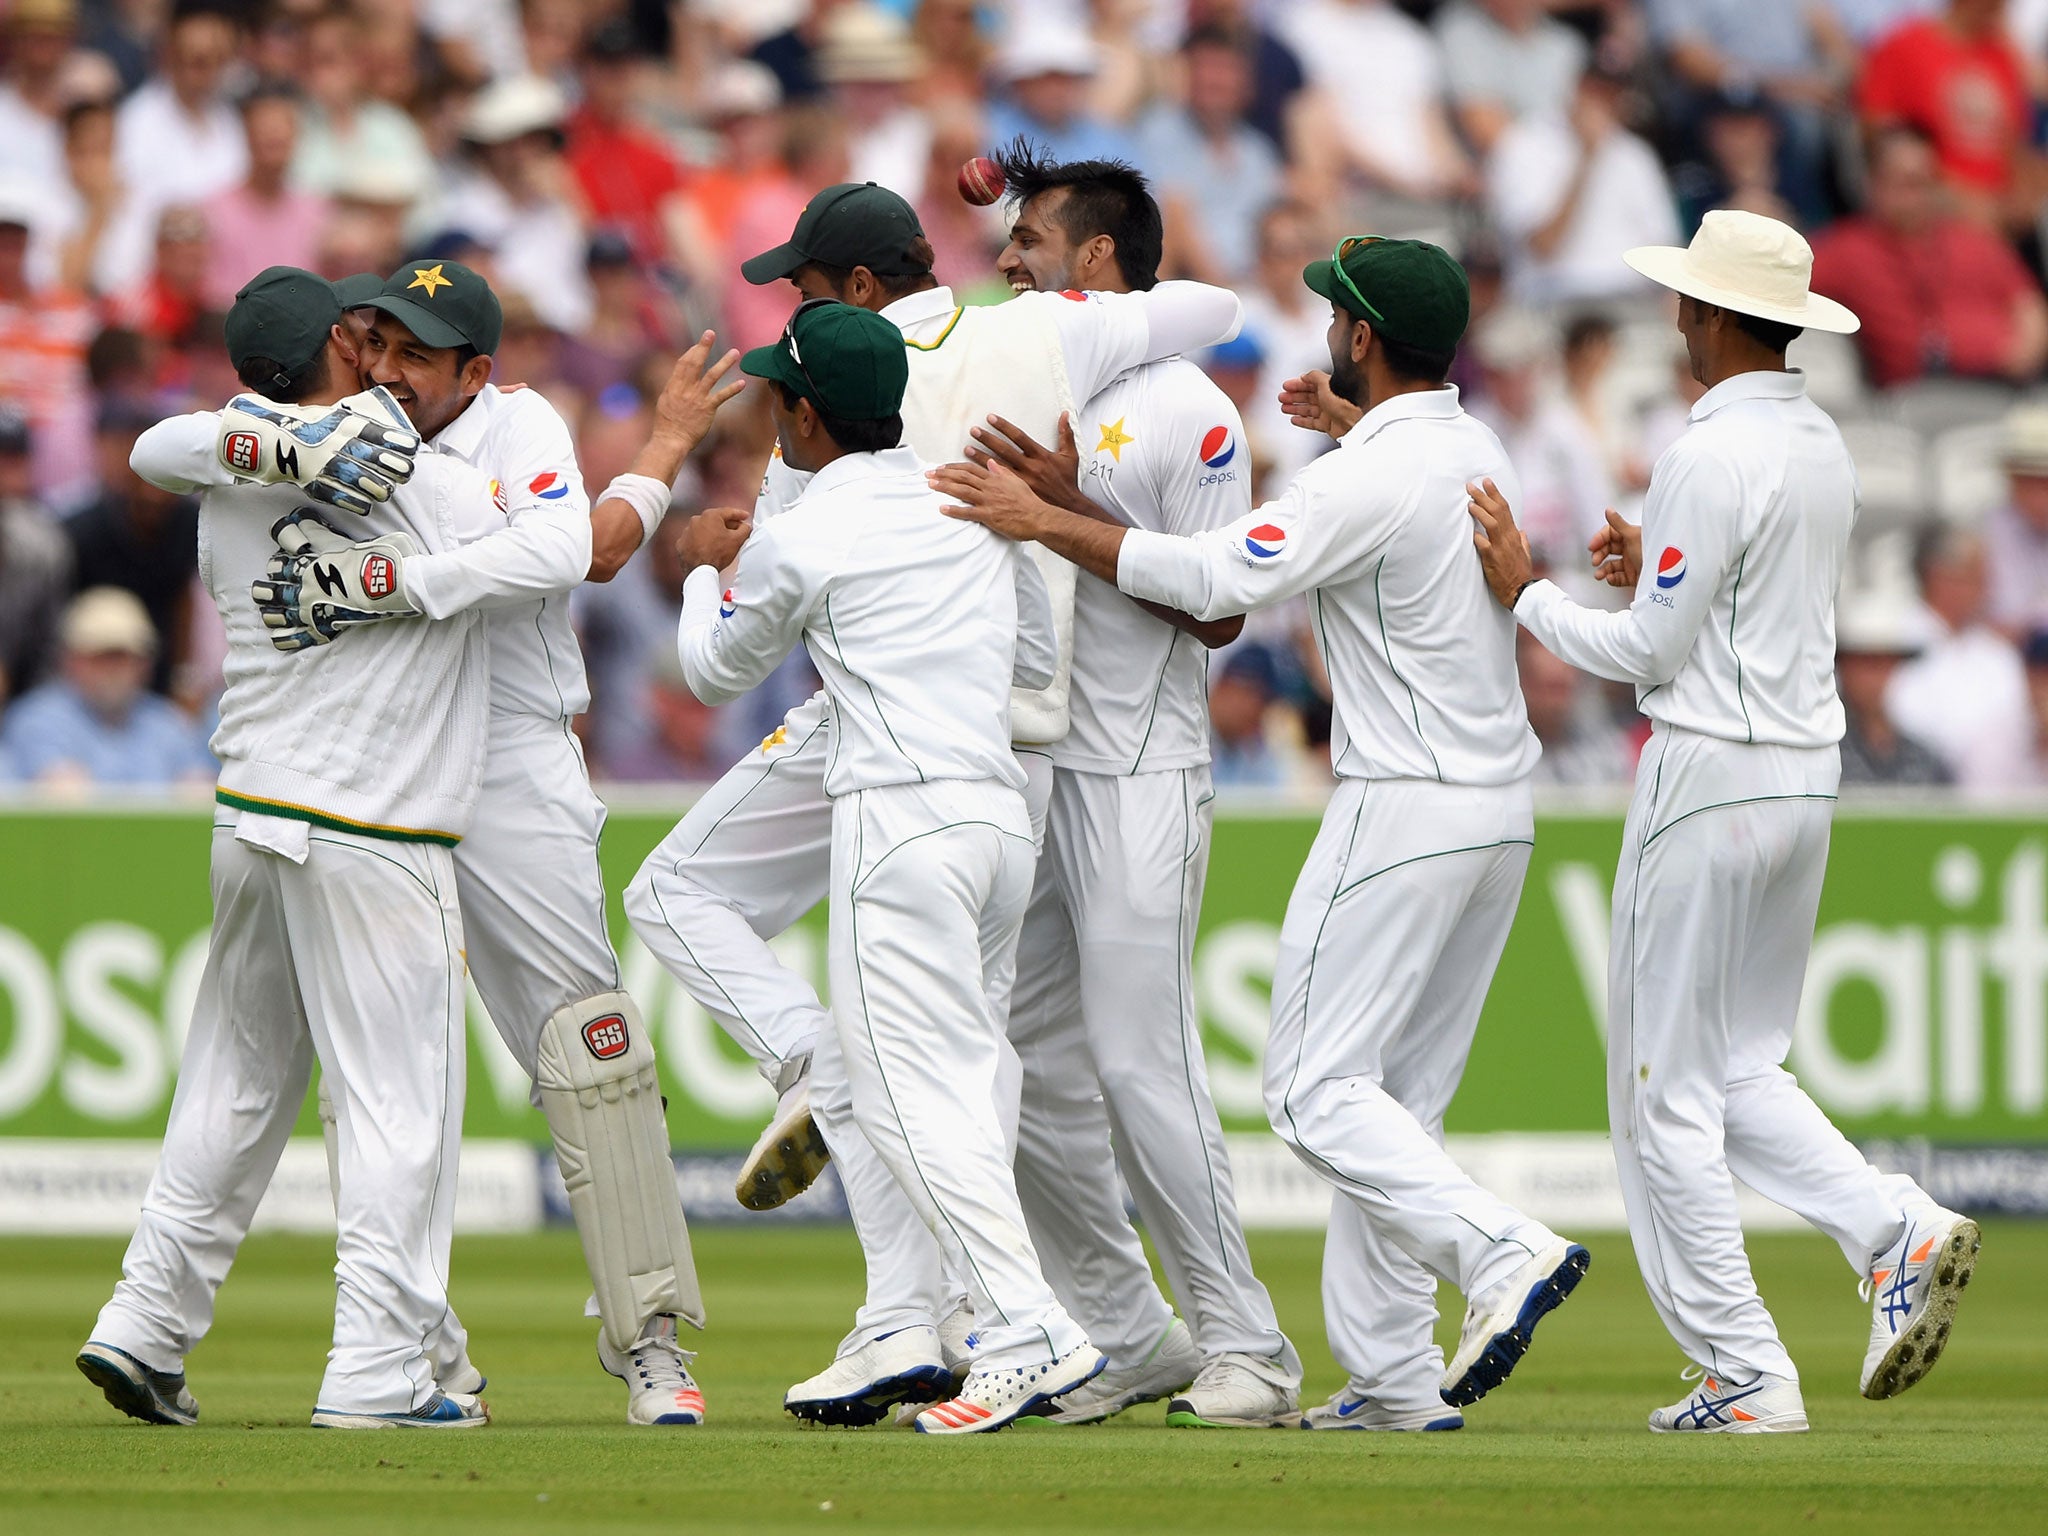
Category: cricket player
[919,636]
[532,894]
[1400,914]
[753,854]
[347,778]
[1730,641]
[1105,994]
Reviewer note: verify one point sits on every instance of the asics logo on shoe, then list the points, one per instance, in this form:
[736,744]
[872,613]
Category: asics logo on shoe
[1706,1410]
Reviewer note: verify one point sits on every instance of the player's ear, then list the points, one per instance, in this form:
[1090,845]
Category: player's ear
[1361,340]
[476,373]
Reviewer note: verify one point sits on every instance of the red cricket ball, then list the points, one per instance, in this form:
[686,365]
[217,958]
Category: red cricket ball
[981,181]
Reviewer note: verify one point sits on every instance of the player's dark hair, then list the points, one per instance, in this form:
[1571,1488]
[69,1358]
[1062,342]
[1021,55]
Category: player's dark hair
[918,254]
[463,355]
[1104,197]
[1772,335]
[1423,365]
[853,436]
[270,379]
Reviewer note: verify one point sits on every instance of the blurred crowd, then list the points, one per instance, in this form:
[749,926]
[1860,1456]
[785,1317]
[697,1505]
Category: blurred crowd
[609,163]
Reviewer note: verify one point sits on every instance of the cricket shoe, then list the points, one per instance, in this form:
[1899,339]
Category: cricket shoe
[1500,1323]
[444,1410]
[1355,1410]
[993,1397]
[462,1378]
[1913,1288]
[656,1371]
[790,1155]
[155,1397]
[1237,1391]
[861,1387]
[1769,1405]
[1172,1367]
[956,1341]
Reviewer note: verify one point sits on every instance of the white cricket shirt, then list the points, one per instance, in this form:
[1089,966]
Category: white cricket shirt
[918,623]
[381,734]
[1421,658]
[1162,448]
[1732,630]
[520,441]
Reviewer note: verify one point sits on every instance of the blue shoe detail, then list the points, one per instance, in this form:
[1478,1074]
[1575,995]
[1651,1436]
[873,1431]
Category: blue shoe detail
[154,1397]
[926,1384]
[1505,1350]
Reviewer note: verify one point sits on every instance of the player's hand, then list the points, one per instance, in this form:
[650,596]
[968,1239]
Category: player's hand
[692,395]
[320,582]
[991,495]
[1053,474]
[1617,551]
[1310,403]
[1503,548]
[339,456]
[714,537]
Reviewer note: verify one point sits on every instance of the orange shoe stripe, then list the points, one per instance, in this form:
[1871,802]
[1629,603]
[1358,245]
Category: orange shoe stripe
[1919,1255]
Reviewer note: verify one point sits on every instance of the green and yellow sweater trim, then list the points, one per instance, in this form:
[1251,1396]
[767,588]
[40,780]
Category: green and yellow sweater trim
[284,808]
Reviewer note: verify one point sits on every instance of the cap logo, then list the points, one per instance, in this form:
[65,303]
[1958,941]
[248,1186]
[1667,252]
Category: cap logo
[429,278]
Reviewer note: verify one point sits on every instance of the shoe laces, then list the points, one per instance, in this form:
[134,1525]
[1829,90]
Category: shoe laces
[1693,1373]
[1224,1372]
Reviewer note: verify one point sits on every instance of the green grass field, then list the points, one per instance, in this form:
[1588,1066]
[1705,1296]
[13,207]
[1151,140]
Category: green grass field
[1561,1448]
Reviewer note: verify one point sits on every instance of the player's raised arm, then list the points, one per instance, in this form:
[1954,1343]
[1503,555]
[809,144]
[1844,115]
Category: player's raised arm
[730,638]
[1102,334]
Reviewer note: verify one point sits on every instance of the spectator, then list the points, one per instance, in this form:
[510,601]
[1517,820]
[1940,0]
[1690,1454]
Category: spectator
[624,625]
[1581,745]
[2016,536]
[1587,358]
[870,63]
[1239,754]
[1790,54]
[1277,76]
[624,327]
[1046,66]
[346,136]
[101,233]
[35,564]
[1571,194]
[1505,60]
[1937,295]
[171,297]
[136,537]
[263,222]
[956,53]
[97,723]
[1873,638]
[1395,137]
[177,139]
[1213,172]
[43,336]
[39,34]
[684,741]
[964,238]
[1292,327]
[1738,166]
[1958,79]
[1965,695]
[515,198]
[627,176]
[813,156]
[2035,655]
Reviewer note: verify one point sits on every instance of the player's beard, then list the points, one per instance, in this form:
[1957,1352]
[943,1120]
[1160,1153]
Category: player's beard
[1346,380]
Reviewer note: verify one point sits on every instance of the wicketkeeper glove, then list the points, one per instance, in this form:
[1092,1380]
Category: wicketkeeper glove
[337,455]
[320,582]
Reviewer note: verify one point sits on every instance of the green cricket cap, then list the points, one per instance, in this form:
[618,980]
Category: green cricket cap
[284,314]
[847,361]
[855,224]
[358,289]
[443,303]
[1408,290]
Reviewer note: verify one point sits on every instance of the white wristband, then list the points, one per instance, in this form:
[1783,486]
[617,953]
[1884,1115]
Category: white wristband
[645,495]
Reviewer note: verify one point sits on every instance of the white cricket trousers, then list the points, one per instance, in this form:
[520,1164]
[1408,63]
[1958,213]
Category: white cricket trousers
[752,856]
[929,886]
[531,888]
[1104,1017]
[1386,953]
[1721,866]
[355,955]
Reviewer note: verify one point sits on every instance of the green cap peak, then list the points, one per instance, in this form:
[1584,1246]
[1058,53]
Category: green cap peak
[853,224]
[443,303]
[1408,290]
[848,362]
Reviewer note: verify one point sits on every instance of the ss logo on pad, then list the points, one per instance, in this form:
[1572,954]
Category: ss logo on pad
[606,1037]
[245,451]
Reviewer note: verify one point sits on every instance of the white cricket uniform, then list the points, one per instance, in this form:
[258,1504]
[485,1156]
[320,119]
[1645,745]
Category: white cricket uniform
[1401,911]
[1730,642]
[1105,990]
[347,775]
[753,853]
[918,624]
[532,890]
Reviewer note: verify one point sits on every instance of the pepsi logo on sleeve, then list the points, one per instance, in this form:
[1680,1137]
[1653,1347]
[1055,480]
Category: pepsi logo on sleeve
[1670,568]
[727,604]
[1265,542]
[549,486]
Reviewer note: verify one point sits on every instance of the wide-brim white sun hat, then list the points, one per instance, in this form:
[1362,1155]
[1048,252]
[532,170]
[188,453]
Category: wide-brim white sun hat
[1748,263]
